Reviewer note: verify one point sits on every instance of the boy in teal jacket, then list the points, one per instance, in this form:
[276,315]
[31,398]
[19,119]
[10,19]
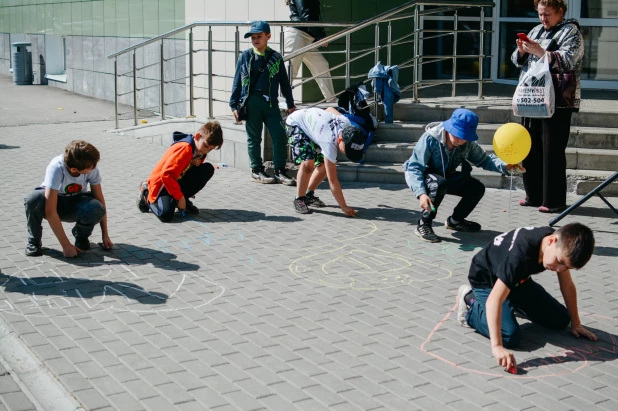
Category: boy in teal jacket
[260,72]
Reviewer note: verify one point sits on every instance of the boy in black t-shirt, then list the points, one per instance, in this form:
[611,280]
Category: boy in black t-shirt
[500,275]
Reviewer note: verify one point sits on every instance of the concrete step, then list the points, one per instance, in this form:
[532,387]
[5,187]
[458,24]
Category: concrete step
[581,137]
[579,181]
[577,158]
[492,111]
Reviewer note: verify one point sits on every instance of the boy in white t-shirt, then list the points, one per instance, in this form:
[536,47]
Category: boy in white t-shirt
[64,196]
[315,135]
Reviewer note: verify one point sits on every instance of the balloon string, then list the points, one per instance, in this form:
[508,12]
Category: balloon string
[510,197]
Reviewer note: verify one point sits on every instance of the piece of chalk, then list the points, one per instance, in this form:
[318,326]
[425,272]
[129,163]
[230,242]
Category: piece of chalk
[504,211]
[512,370]
[182,213]
[433,208]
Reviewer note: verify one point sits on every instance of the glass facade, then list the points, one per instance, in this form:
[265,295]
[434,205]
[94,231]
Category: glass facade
[104,18]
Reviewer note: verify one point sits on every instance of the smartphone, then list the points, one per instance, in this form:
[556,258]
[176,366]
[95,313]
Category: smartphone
[523,37]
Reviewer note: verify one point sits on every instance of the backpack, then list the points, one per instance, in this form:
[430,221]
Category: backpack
[352,102]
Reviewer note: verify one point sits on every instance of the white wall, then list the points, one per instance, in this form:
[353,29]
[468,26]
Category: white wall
[223,38]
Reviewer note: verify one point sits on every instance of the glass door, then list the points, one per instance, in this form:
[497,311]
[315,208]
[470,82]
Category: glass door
[599,27]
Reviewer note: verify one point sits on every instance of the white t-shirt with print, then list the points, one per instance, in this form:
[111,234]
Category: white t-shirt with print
[321,127]
[57,177]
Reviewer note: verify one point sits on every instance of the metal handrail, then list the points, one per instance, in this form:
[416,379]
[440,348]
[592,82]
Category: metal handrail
[389,16]
[223,24]
[383,17]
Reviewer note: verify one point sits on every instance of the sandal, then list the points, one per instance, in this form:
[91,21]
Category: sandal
[554,210]
[526,203]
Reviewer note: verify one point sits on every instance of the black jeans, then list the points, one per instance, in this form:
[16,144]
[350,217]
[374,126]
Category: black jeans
[460,184]
[529,298]
[82,209]
[545,177]
[190,184]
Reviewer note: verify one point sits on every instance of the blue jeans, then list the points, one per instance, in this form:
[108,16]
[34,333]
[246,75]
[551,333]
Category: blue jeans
[190,184]
[82,209]
[530,299]
[388,98]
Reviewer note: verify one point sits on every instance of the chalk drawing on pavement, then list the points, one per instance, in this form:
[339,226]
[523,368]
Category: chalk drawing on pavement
[42,290]
[354,264]
[552,359]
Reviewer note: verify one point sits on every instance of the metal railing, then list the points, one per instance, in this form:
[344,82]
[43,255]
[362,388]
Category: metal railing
[415,37]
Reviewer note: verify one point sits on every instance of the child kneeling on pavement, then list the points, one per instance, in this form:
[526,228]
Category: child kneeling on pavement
[181,173]
[314,136]
[501,284]
[431,171]
[64,196]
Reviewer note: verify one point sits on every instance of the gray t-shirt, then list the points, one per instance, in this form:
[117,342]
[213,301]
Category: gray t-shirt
[57,177]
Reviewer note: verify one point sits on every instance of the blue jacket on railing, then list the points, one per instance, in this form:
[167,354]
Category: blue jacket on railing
[430,156]
[277,76]
[385,85]
[387,72]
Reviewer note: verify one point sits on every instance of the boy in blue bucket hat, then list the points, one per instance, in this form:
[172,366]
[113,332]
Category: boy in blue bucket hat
[431,172]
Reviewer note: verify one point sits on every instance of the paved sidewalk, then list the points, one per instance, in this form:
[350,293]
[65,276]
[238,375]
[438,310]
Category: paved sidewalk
[251,306]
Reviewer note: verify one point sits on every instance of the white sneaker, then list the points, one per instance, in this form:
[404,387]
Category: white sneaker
[462,307]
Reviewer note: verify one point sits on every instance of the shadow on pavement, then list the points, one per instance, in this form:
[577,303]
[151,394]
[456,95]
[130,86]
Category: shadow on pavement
[602,211]
[226,215]
[79,288]
[128,254]
[571,349]
[605,251]
[5,147]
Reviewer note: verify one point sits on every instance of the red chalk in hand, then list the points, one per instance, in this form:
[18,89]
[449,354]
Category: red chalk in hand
[512,370]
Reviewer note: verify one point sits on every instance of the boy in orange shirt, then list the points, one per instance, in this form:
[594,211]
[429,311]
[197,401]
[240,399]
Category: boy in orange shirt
[181,173]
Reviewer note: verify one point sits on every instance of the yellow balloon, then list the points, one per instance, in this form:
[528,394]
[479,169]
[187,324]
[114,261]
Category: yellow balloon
[512,143]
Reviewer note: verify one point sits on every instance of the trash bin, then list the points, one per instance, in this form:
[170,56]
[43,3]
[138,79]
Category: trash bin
[22,64]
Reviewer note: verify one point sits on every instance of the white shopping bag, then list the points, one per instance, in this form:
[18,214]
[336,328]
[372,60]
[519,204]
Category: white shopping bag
[534,96]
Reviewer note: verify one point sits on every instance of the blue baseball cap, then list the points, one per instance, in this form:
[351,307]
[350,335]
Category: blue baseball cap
[462,124]
[258,26]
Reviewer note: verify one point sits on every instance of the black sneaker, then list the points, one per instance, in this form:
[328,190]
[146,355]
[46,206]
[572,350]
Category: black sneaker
[425,232]
[142,198]
[314,201]
[191,208]
[34,250]
[282,178]
[83,245]
[301,206]
[463,225]
[259,176]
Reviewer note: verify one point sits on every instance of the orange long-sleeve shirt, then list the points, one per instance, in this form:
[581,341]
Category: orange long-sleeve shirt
[175,161]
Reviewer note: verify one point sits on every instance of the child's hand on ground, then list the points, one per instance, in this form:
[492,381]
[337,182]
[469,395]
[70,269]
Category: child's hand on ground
[70,251]
[425,202]
[515,168]
[182,203]
[107,243]
[349,211]
[580,331]
[504,357]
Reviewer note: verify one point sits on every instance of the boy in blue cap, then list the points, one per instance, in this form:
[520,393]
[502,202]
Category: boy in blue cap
[260,72]
[431,171]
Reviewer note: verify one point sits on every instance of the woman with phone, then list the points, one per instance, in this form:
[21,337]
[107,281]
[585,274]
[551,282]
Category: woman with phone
[560,41]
